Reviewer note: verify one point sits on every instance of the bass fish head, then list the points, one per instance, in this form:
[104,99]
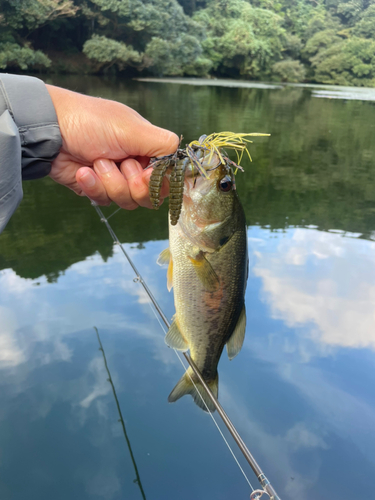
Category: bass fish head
[211,210]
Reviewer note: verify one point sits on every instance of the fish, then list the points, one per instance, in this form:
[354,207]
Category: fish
[207,262]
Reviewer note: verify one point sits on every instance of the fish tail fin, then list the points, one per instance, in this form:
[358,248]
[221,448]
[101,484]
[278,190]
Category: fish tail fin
[186,386]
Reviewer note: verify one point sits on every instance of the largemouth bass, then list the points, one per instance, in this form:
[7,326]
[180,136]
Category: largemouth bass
[208,268]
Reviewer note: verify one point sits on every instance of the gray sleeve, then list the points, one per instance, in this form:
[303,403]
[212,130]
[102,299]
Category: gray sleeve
[10,168]
[29,137]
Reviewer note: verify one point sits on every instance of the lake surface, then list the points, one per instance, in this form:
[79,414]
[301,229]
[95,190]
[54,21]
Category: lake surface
[301,392]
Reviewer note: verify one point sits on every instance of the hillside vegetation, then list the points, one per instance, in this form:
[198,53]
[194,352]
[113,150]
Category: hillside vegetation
[321,41]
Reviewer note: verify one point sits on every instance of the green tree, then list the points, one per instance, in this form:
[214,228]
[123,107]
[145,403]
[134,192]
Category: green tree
[325,41]
[31,14]
[346,62]
[351,11]
[18,20]
[182,55]
[241,39]
[289,70]
[168,41]
[366,25]
[321,40]
[13,55]
[107,52]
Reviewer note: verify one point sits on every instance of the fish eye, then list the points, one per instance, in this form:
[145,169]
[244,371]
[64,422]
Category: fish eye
[225,184]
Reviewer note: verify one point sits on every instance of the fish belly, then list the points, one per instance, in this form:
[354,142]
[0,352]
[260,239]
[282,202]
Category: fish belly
[205,318]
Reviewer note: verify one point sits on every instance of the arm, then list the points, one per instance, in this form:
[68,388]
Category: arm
[98,148]
[29,137]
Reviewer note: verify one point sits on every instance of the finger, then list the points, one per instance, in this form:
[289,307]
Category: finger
[63,171]
[161,142]
[91,186]
[144,139]
[143,160]
[115,183]
[133,173]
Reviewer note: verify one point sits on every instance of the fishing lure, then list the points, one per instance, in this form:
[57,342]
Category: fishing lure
[195,154]
[176,190]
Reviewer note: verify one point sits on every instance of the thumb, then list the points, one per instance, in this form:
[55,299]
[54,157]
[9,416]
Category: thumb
[150,140]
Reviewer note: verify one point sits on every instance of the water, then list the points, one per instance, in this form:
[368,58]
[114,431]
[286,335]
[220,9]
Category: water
[300,392]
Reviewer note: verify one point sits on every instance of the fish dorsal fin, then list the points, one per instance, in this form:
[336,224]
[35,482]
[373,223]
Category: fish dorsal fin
[235,342]
[164,257]
[205,273]
[170,275]
[175,339]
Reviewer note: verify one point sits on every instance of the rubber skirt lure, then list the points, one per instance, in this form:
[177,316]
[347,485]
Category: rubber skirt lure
[195,154]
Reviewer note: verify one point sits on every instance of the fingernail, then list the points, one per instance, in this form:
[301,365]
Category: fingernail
[88,179]
[131,168]
[104,166]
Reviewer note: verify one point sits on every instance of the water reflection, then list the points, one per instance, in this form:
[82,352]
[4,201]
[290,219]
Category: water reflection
[56,400]
[137,479]
[320,282]
[300,392]
[313,331]
[318,167]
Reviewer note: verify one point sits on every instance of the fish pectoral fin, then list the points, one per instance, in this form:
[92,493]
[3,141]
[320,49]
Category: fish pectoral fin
[234,344]
[175,339]
[164,257]
[170,275]
[205,273]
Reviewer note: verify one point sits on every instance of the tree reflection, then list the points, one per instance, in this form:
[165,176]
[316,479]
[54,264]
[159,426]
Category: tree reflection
[317,168]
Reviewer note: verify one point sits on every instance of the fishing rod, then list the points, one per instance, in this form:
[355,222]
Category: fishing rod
[137,480]
[265,483]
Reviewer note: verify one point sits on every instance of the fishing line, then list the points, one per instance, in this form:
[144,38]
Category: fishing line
[205,404]
[114,213]
[266,485]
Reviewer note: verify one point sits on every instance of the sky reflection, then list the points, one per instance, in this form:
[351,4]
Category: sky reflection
[300,392]
[321,282]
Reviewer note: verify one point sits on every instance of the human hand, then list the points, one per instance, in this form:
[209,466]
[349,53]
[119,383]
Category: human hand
[106,146]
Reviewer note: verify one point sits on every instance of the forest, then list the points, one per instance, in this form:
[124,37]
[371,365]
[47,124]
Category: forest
[315,41]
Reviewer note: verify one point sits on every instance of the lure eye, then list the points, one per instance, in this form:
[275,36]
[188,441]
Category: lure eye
[225,184]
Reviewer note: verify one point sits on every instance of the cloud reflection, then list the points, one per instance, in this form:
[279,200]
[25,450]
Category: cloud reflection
[307,282]
[283,447]
[101,386]
[323,281]
[50,313]
[10,353]
[349,415]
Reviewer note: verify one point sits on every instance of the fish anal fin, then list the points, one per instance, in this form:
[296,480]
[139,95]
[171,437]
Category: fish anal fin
[235,342]
[175,339]
[196,390]
[205,273]
[164,257]
[170,275]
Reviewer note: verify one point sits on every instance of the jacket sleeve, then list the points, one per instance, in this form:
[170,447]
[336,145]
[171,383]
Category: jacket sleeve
[29,137]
